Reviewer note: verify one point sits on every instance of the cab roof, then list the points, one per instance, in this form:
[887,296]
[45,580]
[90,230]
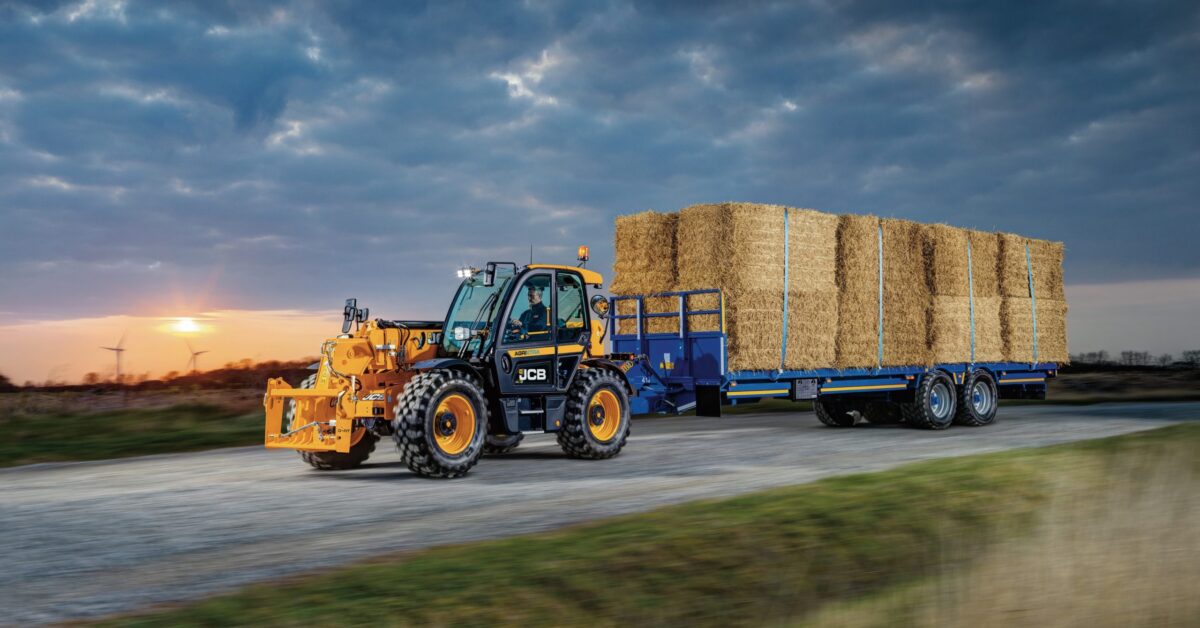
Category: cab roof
[590,277]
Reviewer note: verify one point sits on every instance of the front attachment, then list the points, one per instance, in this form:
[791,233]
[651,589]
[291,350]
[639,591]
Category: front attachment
[309,419]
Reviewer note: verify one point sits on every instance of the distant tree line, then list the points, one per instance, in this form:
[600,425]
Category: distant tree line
[241,374]
[1137,358]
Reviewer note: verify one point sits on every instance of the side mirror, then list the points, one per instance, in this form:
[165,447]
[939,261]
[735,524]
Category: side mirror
[489,275]
[600,305]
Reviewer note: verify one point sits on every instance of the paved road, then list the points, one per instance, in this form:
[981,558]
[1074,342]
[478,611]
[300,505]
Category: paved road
[84,539]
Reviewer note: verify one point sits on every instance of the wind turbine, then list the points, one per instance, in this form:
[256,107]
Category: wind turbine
[119,349]
[193,362]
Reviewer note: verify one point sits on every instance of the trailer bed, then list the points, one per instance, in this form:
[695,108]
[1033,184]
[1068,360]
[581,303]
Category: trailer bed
[685,370]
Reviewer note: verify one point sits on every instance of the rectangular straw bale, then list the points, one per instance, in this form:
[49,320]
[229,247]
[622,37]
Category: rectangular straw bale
[644,264]
[907,301]
[950,333]
[989,343]
[812,290]
[812,329]
[812,245]
[858,291]
[985,260]
[948,263]
[755,330]
[1016,317]
[1046,258]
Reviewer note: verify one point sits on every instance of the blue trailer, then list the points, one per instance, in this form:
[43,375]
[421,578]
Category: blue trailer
[685,370]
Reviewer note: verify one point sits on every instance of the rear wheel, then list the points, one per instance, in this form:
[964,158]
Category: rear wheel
[977,400]
[502,443]
[934,403]
[362,442]
[596,420]
[833,413]
[441,424]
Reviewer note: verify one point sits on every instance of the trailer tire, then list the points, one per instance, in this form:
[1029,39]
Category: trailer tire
[882,412]
[977,400]
[502,444]
[596,420]
[833,413]
[441,424]
[331,460]
[934,403]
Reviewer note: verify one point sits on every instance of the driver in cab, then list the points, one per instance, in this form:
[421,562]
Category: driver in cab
[535,320]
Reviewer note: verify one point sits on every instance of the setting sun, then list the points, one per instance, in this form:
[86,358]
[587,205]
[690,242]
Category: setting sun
[185,326]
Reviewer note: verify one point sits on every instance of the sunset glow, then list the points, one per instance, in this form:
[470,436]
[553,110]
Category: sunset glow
[185,326]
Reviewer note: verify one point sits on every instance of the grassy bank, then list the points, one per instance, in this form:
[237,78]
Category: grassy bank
[773,557]
[123,433]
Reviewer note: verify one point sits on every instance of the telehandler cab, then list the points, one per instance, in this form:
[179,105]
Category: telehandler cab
[521,349]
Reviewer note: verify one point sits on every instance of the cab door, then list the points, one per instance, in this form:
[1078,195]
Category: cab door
[526,357]
[570,303]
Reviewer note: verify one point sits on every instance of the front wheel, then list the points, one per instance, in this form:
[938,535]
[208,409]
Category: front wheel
[596,420]
[441,424]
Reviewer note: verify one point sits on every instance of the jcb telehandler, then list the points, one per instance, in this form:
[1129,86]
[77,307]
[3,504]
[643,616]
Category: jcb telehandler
[520,350]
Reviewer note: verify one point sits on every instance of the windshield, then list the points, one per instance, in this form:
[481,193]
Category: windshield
[474,310]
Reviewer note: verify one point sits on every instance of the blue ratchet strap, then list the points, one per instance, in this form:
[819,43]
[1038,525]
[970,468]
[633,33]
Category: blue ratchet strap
[1032,300]
[786,253]
[880,361]
[971,292]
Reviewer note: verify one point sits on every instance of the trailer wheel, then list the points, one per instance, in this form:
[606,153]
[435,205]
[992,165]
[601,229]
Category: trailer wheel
[502,443]
[361,445]
[833,413]
[933,407]
[596,420]
[882,412]
[441,424]
[977,400]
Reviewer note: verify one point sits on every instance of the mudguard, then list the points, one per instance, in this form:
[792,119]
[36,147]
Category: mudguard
[621,368]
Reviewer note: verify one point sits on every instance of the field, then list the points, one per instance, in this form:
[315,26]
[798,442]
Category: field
[1099,532]
[61,426]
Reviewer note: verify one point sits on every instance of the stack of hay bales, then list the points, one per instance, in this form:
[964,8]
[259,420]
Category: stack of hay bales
[907,299]
[645,264]
[957,295]
[1017,307]
[832,297]
[742,249]
[858,291]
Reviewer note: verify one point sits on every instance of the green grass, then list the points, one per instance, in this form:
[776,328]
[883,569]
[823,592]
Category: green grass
[768,557]
[122,433]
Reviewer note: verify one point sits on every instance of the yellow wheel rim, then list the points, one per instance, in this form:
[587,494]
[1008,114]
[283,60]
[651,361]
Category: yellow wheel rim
[454,424]
[604,414]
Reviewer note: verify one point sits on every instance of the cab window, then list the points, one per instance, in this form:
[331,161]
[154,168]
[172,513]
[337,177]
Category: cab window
[571,307]
[530,319]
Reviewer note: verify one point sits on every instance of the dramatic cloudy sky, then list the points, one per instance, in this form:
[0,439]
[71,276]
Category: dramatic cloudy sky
[165,159]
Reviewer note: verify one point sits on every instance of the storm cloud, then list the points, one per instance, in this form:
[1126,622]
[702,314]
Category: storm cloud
[156,157]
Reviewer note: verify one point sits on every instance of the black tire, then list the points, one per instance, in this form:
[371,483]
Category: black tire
[337,461]
[834,413]
[977,400]
[502,444]
[882,412]
[587,432]
[330,460]
[417,426]
[933,407]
